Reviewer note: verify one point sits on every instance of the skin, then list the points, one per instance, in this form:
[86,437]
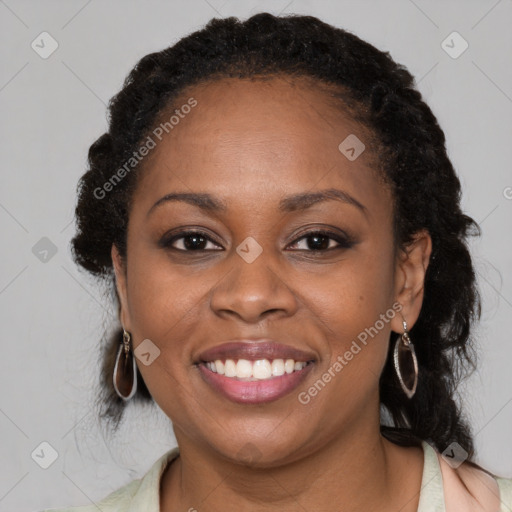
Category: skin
[250,144]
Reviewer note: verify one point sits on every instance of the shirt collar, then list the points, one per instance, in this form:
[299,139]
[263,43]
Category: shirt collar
[431,493]
[147,495]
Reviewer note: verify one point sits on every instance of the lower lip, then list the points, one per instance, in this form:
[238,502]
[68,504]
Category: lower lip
[254,392]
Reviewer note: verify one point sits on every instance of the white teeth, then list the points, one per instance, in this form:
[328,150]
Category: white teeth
[230,368]
[277,367]
[254,370]
[220,367]
[261,369]
[243,369]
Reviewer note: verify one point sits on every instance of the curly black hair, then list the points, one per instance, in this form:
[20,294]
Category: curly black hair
[412,159]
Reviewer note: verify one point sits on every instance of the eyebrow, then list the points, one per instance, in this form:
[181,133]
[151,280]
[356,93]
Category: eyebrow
[296,202]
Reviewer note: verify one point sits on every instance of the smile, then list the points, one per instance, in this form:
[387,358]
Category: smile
[254,382]
[260,369]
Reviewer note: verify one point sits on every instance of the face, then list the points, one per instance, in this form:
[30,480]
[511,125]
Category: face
[311,275]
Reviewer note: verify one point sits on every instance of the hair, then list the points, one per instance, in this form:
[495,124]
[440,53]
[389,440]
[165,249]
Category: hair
[411,157]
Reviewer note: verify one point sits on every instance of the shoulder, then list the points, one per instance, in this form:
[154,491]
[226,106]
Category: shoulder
[475,488]
[140,494]
[117,501]
[505,486]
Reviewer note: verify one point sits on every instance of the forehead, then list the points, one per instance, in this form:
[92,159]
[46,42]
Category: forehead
[279,112]
[247,136]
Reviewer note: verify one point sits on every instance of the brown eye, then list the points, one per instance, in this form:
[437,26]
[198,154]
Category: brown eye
[322,241]
[190,241]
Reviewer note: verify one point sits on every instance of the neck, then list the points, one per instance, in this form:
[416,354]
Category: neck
[358,471]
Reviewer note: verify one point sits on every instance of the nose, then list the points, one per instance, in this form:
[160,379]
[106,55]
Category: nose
[253,291]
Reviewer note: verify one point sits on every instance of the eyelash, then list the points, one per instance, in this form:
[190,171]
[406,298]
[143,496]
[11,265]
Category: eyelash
[343,243]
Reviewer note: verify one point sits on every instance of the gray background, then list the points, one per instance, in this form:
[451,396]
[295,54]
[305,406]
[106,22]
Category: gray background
[52,315]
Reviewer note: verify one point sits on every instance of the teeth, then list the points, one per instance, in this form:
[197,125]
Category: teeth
[277,367]
[230,368]
[289,365]
[261,369]
[254,370]
[243,369]
[219,365]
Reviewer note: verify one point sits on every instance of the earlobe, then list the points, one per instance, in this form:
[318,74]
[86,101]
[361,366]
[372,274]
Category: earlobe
[409,285]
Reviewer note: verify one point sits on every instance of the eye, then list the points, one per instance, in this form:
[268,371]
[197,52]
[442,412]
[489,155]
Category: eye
[321,241]
[314,241]
[188,241]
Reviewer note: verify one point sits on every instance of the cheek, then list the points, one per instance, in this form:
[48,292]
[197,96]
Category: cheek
[161,296]
[163,302]
[353,294]
[355,350]
[354,308]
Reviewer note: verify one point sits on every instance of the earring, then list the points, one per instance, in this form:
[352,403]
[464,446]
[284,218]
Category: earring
[405,359]
[125,370]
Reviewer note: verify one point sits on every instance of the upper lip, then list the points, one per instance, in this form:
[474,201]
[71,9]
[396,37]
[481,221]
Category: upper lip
[254,350]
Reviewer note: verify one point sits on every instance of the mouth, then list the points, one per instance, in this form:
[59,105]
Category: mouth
[254,372]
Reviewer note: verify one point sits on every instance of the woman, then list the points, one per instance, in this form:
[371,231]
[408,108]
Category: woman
[275,207]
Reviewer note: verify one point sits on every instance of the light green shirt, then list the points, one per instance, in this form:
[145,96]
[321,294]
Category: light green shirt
[143,494]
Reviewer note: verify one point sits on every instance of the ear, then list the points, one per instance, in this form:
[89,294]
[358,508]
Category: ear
[120,273]
[411,267]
